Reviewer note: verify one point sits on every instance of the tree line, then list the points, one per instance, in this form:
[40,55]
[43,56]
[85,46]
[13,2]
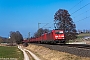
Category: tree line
[15,37]
[83,31]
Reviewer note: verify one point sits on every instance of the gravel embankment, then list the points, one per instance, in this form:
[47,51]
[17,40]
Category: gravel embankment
[48,54]
[71,50]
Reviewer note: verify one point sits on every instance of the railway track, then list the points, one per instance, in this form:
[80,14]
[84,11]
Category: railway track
[84,46]
[76,49]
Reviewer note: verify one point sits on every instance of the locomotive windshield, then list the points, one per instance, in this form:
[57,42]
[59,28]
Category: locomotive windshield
[58,32]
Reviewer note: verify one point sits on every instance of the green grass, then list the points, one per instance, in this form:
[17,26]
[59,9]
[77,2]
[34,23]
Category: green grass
[79,37]
[11,52]
[83,35]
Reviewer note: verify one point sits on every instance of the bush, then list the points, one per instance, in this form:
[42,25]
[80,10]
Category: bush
[25,44]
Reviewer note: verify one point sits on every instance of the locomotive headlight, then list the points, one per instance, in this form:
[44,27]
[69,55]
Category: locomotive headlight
[56,36]
[62,36]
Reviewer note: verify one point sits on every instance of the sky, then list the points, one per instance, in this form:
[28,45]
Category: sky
[24,15]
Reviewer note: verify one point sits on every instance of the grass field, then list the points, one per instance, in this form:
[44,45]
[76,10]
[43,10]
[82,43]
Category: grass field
[10,52]
[83,35]
[80,37]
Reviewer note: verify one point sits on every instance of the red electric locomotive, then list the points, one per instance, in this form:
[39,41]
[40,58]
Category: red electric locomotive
[55,36]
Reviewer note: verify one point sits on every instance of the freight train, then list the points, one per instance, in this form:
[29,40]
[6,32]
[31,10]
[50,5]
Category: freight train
[55,36]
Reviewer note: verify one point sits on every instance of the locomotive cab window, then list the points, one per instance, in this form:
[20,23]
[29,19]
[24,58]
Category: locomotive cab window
[59,32]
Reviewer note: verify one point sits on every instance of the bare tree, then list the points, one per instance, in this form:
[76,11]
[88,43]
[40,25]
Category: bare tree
[40,32]
[16,37]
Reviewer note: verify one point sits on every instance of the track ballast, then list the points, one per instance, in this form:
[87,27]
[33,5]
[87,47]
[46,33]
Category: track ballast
[82,50]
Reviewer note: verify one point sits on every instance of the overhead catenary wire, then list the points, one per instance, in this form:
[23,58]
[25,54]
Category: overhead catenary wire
[80,8]
[82,19]
[76,5]
[47,24]
[52,25]
[82,13]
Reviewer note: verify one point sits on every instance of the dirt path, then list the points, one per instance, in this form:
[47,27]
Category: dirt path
[26,57]
[28,54]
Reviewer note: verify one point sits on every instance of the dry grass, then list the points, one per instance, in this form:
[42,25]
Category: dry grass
[47,54]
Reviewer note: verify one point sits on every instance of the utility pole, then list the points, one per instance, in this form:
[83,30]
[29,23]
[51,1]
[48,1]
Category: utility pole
[38,25]
[28,35]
